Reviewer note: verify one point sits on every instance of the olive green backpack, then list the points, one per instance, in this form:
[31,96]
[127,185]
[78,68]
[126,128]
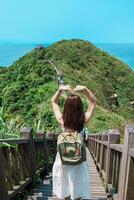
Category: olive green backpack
[71,148]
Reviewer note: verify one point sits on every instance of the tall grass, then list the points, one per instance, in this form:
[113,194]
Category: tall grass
[9,129]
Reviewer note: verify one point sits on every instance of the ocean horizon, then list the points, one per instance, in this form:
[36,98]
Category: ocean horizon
[9,53]
[121,51]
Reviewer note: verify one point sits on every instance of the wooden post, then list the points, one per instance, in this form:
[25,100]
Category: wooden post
[129,188]
[104,138]
[91,144]
[3,188]
[113,138]
[128,143]
[26,133]
[41,134]
[96,144]
[98,148]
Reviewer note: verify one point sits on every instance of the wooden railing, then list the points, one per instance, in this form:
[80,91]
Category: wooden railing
[24,158]
[21,160]
[115,161]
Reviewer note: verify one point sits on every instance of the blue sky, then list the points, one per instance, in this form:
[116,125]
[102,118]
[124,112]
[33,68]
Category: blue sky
[53,20]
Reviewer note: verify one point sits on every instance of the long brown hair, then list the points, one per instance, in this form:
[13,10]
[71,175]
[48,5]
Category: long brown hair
[73,113]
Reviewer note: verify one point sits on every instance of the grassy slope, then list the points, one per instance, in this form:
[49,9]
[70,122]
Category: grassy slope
[28,85]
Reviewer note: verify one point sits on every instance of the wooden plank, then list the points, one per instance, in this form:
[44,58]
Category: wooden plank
[128,143]
[15,141]
[44,191]
[41,134]
[117,147]
[129,190]
[27,133]
[3,188]
[96,187]
[8,168]
[113,138]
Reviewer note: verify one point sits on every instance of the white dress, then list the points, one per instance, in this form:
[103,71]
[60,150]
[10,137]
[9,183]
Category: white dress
[70,180]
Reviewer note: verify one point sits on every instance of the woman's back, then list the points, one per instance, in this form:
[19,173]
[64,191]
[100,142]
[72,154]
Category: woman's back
[72,181]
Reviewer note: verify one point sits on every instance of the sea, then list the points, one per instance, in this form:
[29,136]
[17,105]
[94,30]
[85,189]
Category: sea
[9,53]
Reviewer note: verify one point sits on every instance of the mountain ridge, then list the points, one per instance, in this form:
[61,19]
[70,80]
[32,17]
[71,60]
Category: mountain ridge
[31,82]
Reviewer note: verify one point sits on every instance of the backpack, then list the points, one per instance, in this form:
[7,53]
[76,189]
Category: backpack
[71,148]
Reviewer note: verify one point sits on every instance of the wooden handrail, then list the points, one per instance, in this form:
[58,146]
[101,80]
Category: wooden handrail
[117,147]
[115,161]
[22,161]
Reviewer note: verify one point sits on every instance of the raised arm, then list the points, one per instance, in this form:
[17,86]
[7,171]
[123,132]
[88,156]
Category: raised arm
[55,105]
[92,101]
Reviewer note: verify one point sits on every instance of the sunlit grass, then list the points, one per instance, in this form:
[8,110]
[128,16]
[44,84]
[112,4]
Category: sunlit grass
[9,129]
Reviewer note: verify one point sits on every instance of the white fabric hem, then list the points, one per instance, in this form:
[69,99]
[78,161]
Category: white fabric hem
[70,181]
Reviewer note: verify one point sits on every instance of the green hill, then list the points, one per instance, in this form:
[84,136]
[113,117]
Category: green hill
[28,85]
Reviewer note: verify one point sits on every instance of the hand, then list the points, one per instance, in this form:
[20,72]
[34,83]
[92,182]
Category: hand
[80,88]
[65,88]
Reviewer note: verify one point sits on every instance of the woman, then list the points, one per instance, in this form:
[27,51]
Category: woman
[72,181]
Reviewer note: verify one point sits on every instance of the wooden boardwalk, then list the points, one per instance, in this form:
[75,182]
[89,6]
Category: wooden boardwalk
[96,187]
[44,191]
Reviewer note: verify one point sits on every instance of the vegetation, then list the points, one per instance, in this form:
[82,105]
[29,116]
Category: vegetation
[9,129]
[28,85]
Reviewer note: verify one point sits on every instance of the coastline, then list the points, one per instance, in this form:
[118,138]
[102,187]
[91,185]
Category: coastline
[9,52]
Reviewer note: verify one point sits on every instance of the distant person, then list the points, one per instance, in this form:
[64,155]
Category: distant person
[114,100]
[85,133]
[72,181]
[60,79]
[132,103]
